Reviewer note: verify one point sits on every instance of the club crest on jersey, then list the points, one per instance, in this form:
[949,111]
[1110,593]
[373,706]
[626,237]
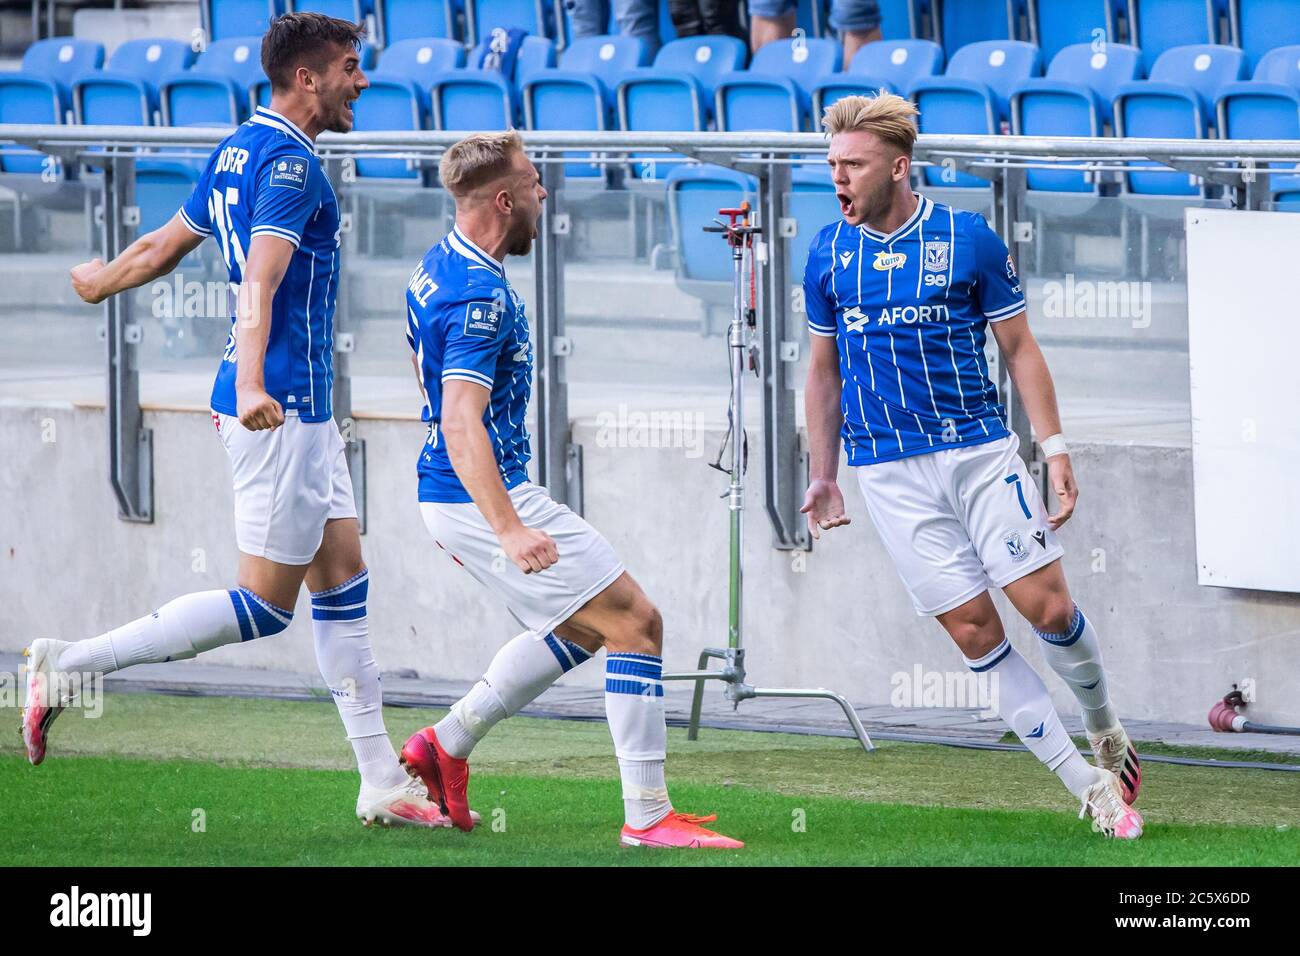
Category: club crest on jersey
[1015,546]
[483,319]
[936,256]
[290,172]
[889,260]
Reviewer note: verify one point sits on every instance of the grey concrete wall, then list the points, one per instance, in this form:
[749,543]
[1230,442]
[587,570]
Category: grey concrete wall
[837,617]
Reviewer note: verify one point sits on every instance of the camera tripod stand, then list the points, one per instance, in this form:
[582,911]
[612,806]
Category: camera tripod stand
[740,233]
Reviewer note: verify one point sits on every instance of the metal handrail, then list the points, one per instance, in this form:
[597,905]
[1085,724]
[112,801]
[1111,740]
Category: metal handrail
[50,137]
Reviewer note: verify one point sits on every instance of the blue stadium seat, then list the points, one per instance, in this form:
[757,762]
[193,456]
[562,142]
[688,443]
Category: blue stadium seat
[148,57]
[27,99]
[1074,100]
[607,57]
[1266,110]
[677,92]
[1263,25]
[706,58]
[1081,83]
[420,60]
[399,98]
[695,194]
[413,19]
[561,100]
[472,100]
[1159,25]
[532,16]
[579,95]
[217,89]
[1280,65]
[962,22]
[161,186]
[898,19]
[775,93]
[979,80]
[649,100]
[1184,85]
[973,95]
[239,18]
[900,63]
[62,59]
[43,85]
[391,103]
[1253,110]
[1176,103]
[125,94]
[1062,23]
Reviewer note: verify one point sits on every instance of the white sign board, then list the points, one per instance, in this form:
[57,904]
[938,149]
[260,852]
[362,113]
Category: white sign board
[1244,347]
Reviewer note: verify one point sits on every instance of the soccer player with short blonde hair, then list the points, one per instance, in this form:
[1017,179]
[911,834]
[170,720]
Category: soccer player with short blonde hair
[562,581]
[900,294]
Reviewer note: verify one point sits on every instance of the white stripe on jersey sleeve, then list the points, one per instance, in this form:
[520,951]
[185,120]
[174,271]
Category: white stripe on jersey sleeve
[1006,312]
[279,233]
[818,330]
[192,226]
[466,375]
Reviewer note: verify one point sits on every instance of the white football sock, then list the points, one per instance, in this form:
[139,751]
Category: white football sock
[634,706]
[342,636]
[177,631]
[518,674]
[1076,658]
[1021,699]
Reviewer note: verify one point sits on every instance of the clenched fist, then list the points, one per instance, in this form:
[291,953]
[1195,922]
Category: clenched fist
[84,281]
[258,410]
[531,550]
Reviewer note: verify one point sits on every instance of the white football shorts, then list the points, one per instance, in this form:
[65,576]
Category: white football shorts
[959,521]
[539,601]
[288,482]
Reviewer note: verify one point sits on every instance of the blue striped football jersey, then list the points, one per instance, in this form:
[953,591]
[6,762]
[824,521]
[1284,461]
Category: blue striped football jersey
[265,179]
[465,323]
[908,312]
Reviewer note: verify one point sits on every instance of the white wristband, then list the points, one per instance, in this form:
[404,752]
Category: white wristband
[1053,445]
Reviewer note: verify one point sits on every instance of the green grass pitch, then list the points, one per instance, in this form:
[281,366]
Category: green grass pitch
[220,781]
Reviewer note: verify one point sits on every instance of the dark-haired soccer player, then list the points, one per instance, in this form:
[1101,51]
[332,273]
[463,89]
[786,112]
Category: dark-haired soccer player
[900,293]
[265,199]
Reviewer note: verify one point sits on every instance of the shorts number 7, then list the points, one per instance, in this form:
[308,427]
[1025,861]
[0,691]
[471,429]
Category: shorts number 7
[1020,493]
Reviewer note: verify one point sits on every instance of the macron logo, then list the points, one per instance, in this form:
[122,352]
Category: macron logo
[845,259]
[103,909]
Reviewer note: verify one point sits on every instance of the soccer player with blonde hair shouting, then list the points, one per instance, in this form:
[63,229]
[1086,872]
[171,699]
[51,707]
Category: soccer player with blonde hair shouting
[900,293]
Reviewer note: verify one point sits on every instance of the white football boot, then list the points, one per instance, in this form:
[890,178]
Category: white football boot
[49,691]
[1104,802]
[406,805]
[1113,751]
